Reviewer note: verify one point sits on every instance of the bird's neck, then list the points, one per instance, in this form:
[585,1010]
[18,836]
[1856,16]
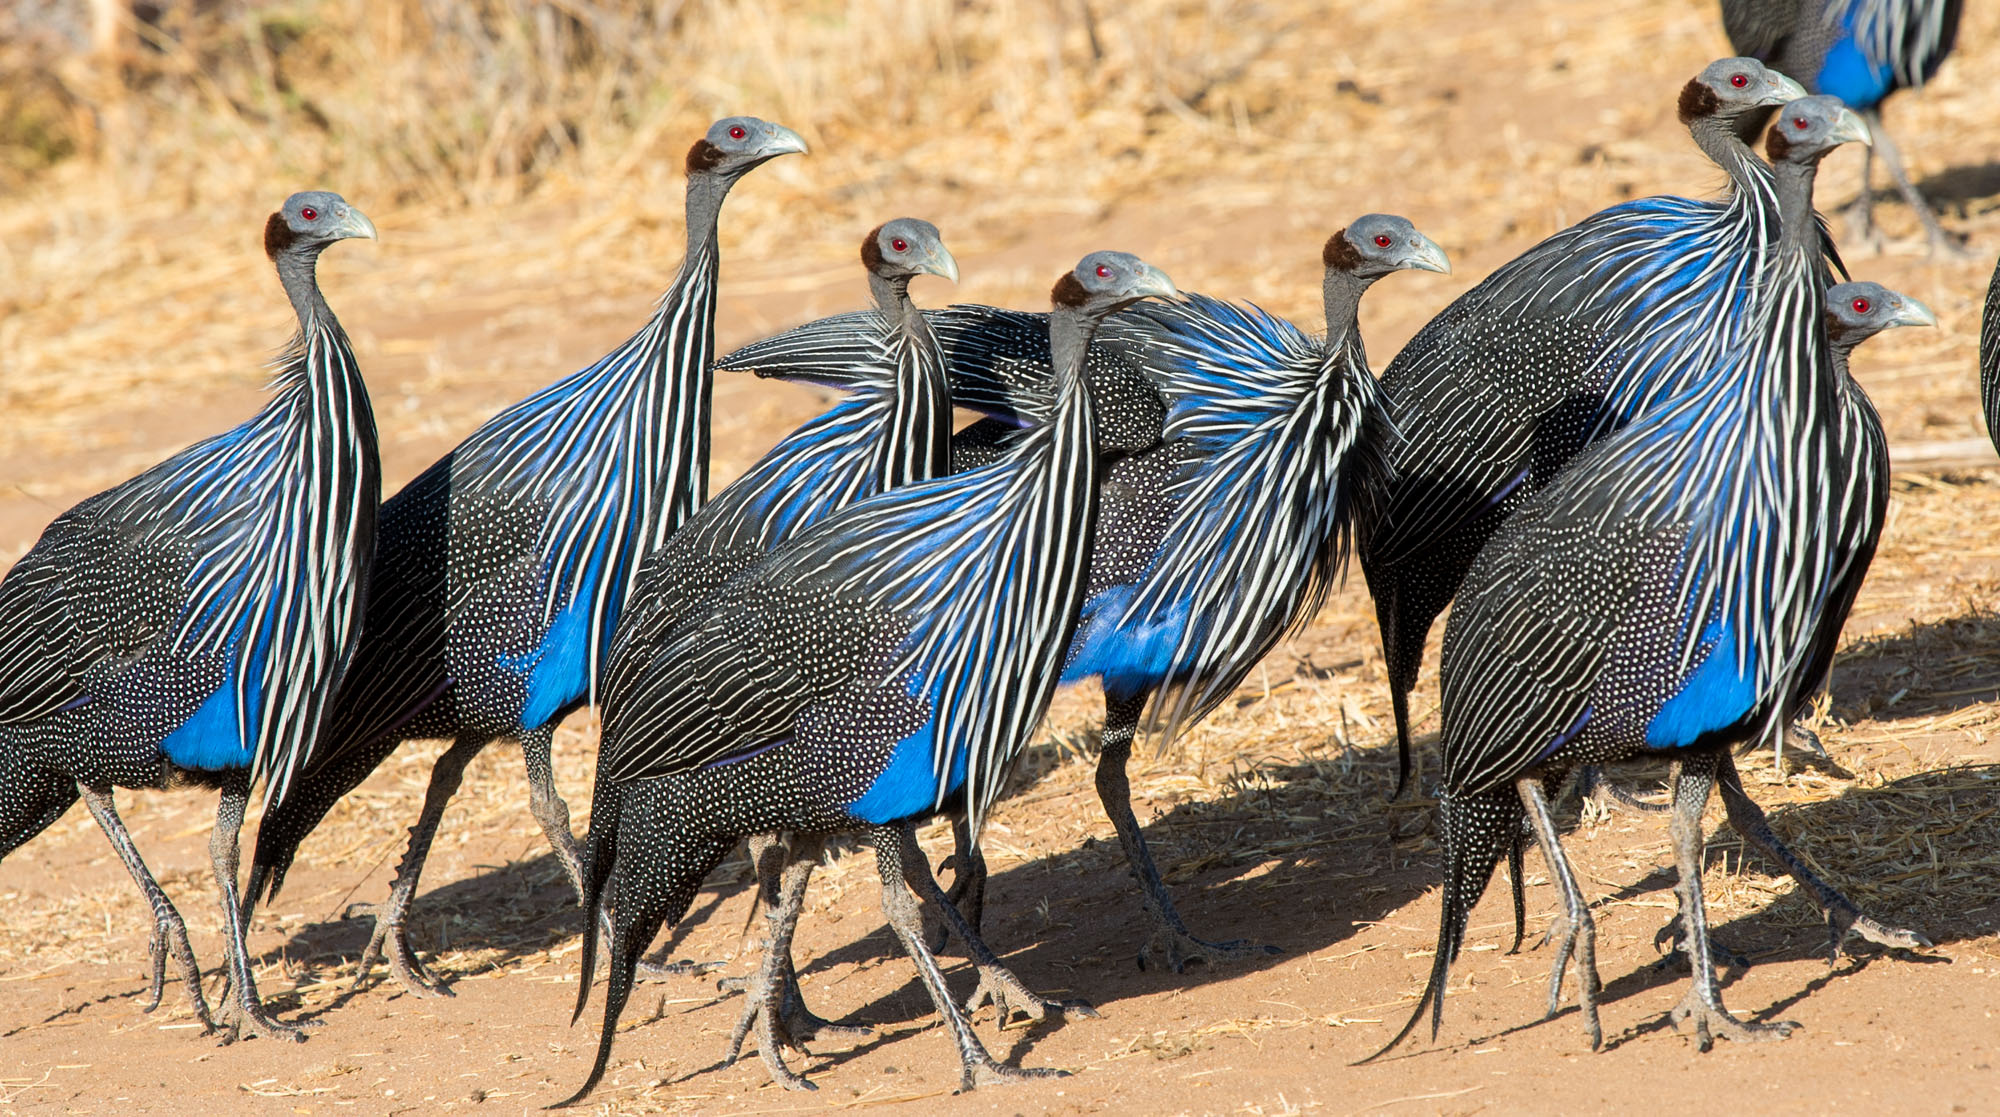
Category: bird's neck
[1341,291]
[1073,423]
[705,195]
[1722,139]
[298,272]
[916,444]
[1798,232]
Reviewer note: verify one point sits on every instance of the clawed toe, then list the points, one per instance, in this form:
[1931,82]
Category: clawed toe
[672,971]
[990,1073]
[390,942]
[1712,1022]
[1010,998]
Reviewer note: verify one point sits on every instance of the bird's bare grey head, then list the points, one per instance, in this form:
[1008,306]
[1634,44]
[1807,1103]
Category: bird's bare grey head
[312,219]
[907,247]
[1730,87]
[735,144]
[1379,243]
[1103,282]
[1858,311]
[1806,129]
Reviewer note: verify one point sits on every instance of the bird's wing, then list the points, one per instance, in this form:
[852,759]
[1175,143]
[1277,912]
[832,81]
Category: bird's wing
[40,634]
[997,360]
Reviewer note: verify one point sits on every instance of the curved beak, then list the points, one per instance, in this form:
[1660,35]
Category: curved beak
[782,141]
[354,223]
[1913,313]
[1782,90]
[1425,255]
[940,262]
[1849,128]
[1154,283]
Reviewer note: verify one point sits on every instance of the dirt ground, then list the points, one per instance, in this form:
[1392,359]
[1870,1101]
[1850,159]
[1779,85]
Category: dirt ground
[1272,821]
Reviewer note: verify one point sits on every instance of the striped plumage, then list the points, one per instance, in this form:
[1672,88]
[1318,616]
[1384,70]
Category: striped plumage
[1228,535]
[1217,541]
[1661,597]
[892,429]
[505,566]
[1989,358]
[191,624]
[886,663]
[1860,51]
[1561,346]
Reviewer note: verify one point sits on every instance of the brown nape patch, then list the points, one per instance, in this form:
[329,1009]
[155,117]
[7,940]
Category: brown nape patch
[1340,253]
[278,235]
[1069,291]
[1697,101]
[704,157]
[1776,145]
[871,249]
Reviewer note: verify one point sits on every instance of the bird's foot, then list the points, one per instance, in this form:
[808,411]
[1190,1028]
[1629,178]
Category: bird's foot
[988,1072]
[391,942]
[1842,923]
[792,1024]
[1010,997]
[243,1017]
[170,938]
[1178,948]
[674,971]
[1712,1021]
[1670,941]
[1600,791]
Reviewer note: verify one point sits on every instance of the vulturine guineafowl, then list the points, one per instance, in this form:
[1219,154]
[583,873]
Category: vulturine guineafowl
[883,665]
[1989,358]
[1860,51]
[890,431]
[191,624]
[1216,542]
[504,566]
[1661,597]
[1562,345]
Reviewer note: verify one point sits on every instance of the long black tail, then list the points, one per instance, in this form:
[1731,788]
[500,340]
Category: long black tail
[291,820]
[600,850]
[1477,831]
[653,864]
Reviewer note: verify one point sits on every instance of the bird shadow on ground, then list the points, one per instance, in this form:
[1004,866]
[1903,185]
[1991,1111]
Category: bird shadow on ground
[1897,850]
[1928,668]
[1296,854]
[502,916]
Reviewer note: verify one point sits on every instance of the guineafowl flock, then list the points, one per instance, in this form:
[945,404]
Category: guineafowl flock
[1632,461]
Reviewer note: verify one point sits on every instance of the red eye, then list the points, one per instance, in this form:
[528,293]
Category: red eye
[900,245]
[736,132]
[1861,306]
[309,213]
[1739,80]
[1801,123]
[1381,240]
[1103,271]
